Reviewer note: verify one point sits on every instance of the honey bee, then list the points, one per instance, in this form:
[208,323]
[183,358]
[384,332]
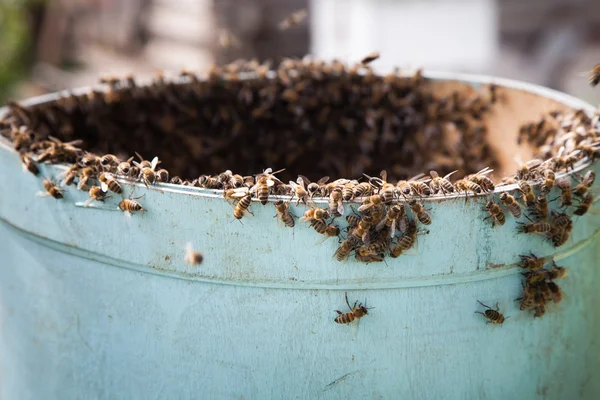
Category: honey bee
[548,183]
[345,249]
[539,311]
[524,171]
[365,254]
[162,175]
[235,194]
[336,207]
[192,257]
[495,212]
[108,182]
[124,167]
[386,190]
[242,206]
[534,227]
[109,160]
[404,188]
[531,262]
[480,178]
[52,189]
[493,316]
[406,241]
[418,209]
[316,188]
[369,58]
[362,230]
[147,174]
[353,221]
[176,180]
[586,182]
[89,160]
[300,192]
[566,192]
[294,19]
[70,174]
[438,184]
[263,185]
[560,221]
[131,205]
[394,213]
[29,164]
[528,193]
[419,186]
[556,272]
[465,185]
[584,204]
[541,207]
[356,312]
[362,189]
[84,176]
[229,40]
[595,75]
[96,193]
[512,205]
[332,230]
[209,182]
[284,214]
[313,214]
[555,292]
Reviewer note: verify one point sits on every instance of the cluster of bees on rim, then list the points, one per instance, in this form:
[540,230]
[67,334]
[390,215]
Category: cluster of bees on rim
[246,115]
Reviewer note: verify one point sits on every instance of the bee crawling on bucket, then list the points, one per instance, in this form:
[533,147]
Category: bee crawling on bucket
[493,316]
[356,312]
[51,190]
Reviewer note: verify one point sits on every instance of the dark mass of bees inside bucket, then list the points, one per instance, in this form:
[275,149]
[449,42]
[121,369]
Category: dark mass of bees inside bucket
[327,126]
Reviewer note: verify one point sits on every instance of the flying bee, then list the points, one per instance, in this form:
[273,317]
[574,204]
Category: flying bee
[566,192]
[512,205]
[366,255]
[394,214]
[263,185]
[345,249]
[131,205]
[495,212]
[534,227]
[480,178]
[548,183]
[147,168]
[84,176]
[555,292]
[527,193]
[108,182]
[595,75]
[52,189]
[418,209]
[336,207]
[406,241]
[301,193]
[586,182]
[29,164]
[541,207]
[162,175]
[362,230]
[362,189]
[531,262]
[438,184]
[294,19]
[192,257]
[493,316]
[584,204]
[284,214]
[242,206]
[369,58]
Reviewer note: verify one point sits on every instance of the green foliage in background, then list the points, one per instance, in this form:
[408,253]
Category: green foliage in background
[15,48]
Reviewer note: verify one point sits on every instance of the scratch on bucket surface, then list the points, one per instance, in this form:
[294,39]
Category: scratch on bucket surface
[340,379]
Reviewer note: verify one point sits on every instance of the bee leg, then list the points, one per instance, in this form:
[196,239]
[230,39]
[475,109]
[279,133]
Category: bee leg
[483,304]
[497,308]
[347,302]
[338,311]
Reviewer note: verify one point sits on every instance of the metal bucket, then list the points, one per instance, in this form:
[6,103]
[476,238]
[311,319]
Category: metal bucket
[94,307]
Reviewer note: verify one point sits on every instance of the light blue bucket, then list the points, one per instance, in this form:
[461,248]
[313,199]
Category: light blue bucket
[93,307]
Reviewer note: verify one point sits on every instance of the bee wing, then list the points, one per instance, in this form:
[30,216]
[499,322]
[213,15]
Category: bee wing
[305,180]
[137,164]
[322,240]
[310,203]
[323,180]
[104,186]
[450,174]
[383,175]
[393,228]
[155,162]
[81,184]
[340,207]
[403,225]
[42,194]
[485,171]
[434,174]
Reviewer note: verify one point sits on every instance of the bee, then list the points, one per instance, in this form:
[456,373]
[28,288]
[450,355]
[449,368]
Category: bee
[369,202]
[365,254]
[237,181]
[362,189]
[229,40]
[540,310]
[332,230]
[438,184]
[108,182]
[70,174]
[524,171]
[531,262]
[95,193]
[52,189]
[84,176]
[208,182]
[263,185]
[356,312]
[162,175]
[541,207]
[109,160]
[584,204]
[131,205]
[556,272]
[548,183]
[595,75]
[386,190]
[353,221]
[555,292]
[419,186]
[176,180]
[418,209]
[336,207]
[316,188]
[404,188]
[348,191]
[124,168]
[495,213]
[89,160]
[465,185]
[534,227]
[192,257]
[480,178]
[527,193]
[406,241]
[394,214]
[294,19]
[283,213]
[493,316]
[362,230]
[313,214]
[242,206]
[369,58]
[345,249]
[300,192]
[147,168]
[562,236]
[512,205]
[29,164]
[566,192]
[586,182]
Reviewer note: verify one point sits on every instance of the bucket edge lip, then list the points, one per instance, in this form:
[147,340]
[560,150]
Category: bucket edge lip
[477,79]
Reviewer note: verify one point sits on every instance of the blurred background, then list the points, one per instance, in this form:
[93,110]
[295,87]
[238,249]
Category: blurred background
[49,45]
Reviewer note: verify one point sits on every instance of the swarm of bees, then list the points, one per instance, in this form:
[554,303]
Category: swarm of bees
[539,288]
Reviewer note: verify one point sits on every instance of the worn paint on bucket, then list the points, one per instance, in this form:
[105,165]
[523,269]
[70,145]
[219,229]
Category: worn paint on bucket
[94,307]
